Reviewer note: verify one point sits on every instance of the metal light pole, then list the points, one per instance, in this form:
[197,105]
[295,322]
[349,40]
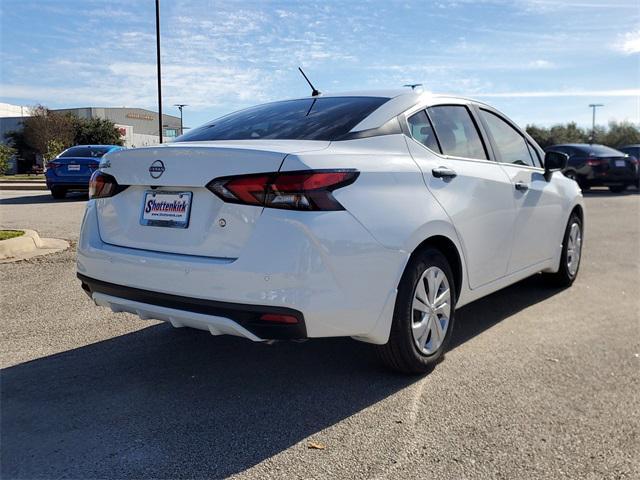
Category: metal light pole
[180,107]
[159,73]
[593,119]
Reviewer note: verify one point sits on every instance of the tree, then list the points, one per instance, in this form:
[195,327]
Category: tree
[44,126]
[616,135]
[54,148]
[6,152]
[621,134]
[95,131]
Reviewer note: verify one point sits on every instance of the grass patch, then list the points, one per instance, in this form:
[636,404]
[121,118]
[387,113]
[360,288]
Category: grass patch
[7,234]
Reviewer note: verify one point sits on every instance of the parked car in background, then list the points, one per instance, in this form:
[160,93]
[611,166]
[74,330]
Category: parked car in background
[593,165]
[369,215]
[633,151]
[72,169]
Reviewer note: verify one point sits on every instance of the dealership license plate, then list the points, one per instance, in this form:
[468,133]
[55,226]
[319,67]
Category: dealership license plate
[73,168]
[620,163]
[166,209]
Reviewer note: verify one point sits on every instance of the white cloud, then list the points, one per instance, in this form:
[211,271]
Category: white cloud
[629,42]
[540,64]
[564,93]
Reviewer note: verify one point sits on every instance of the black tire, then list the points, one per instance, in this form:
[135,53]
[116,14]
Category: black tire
[401,353]
[58,192]
[617,188]
[563,278]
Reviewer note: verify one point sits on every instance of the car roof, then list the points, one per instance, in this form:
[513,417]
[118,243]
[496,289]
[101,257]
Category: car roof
[400,100]
[97,146]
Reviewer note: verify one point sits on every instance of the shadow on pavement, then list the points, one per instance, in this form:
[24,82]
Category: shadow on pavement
[169,403]
[44,198]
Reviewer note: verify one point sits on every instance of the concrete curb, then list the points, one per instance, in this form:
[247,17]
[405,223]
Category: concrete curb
[23,186]
[29,245]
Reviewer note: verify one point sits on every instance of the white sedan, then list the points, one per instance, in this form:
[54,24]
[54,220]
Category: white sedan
[371,215]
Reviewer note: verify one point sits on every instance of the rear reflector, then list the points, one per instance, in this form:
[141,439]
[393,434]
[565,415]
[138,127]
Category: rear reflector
[278,318]
[299,190]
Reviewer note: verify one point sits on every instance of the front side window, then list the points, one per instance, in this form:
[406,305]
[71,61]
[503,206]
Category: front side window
[537,161]
[320,118]
[422,131]
[457,132]
[512,147]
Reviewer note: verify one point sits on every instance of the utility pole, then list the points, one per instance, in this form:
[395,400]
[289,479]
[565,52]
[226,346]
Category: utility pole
[180,107]
[159,73]
[593,106]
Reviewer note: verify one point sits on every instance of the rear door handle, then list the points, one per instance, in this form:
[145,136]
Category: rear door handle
[522,187]
[443,172]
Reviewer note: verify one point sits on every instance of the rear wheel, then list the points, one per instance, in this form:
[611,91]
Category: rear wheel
[571,254]
[423,318]
[58,192]
[617,188]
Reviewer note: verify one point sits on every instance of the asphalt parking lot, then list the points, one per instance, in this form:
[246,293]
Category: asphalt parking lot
[540,383]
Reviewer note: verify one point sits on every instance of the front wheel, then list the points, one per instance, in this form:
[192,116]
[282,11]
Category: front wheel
[423,317]
[571,254]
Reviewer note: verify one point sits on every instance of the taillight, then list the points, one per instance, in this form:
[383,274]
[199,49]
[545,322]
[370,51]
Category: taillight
[592,162]
[299,190]
[103,185]
[53,165]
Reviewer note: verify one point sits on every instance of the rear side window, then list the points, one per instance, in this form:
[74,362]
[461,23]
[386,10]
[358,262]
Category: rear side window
[327,118]
[456,131]
[512,146]
[422,131]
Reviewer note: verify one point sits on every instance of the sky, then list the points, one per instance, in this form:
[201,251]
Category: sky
[539,61]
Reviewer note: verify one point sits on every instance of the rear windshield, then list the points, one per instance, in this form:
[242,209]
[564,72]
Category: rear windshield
[600,151]
[308,119]
[85,152]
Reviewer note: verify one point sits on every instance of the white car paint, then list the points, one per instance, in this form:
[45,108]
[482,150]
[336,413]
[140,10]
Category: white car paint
[340,269]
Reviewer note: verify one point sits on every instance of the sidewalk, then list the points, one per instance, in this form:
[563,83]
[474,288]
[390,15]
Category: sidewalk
[23,185]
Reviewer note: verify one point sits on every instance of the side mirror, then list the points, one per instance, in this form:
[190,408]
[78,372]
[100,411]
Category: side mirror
[554,162]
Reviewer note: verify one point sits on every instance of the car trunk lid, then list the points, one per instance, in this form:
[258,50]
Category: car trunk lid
[211,227]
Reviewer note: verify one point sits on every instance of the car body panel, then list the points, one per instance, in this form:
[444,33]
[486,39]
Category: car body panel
[340,269]
[73,173]
[606,173]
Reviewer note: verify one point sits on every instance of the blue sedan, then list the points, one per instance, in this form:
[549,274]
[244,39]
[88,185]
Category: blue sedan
[72,169]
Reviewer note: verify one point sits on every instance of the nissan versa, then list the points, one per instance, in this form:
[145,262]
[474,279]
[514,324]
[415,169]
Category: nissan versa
[369,215]
[72,169]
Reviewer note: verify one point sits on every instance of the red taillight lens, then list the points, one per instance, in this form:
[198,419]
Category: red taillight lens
[301,190]
[103,185]
[592,162]
[53,165]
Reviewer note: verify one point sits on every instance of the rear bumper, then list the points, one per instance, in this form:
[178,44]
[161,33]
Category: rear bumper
[80,186]
[294,262]
[209,314]
[595,179]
